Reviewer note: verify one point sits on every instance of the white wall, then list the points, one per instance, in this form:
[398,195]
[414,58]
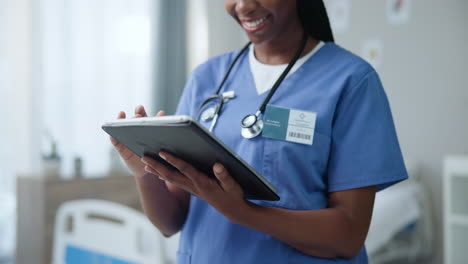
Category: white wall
[211,31]
[423,71]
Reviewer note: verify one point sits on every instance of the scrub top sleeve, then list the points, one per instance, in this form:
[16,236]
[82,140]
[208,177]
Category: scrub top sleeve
[185,106]
[365,149]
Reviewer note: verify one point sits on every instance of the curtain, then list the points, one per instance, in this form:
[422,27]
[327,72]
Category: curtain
[97,60]
[4,183]
[170,56]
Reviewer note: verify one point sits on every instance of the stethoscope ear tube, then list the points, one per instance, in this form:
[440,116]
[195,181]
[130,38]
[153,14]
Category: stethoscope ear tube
[232,66]
[285,73]
[251,125]
[213,113]
[209,113]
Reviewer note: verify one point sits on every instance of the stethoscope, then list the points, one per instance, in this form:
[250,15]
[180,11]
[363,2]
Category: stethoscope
[251,125]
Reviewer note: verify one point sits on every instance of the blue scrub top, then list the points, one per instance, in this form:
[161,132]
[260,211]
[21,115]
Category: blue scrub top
[354,145]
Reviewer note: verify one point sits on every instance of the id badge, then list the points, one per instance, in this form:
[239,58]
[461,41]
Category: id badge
[289,124]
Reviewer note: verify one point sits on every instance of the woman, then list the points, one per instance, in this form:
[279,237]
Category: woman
[327,185]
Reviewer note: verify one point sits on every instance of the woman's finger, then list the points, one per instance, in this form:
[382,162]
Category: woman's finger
[187,187]
[199,180]
[121,115]
[161,113]
[140,110]
[115,142]
[184,167]
[165,173]
[227,182]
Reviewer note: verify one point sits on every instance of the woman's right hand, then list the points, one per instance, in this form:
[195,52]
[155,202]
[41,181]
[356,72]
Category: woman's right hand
[131,159]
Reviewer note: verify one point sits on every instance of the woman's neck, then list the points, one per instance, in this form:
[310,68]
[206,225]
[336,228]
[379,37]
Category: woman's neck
[282,52]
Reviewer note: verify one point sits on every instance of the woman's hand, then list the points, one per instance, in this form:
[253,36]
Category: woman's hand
[337,231]
[131,159]
[226,196]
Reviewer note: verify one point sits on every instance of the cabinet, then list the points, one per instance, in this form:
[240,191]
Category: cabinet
[39,198]
[456,209]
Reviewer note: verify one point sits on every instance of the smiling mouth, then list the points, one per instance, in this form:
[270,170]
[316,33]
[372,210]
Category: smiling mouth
[254,25]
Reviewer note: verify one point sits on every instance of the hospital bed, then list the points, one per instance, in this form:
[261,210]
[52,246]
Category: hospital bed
[104,232]
[401,228]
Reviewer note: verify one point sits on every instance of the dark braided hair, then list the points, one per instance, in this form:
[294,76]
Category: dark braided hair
[314,19]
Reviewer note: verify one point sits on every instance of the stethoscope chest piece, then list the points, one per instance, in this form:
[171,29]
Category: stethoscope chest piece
[252,126]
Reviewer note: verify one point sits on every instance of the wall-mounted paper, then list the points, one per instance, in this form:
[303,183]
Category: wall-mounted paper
[398,11]
[372,51]
[339,12]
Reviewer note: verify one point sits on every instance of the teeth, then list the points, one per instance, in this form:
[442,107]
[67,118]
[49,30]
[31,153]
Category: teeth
[255,23]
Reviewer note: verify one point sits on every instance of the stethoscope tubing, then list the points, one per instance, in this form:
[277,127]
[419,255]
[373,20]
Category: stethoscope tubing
[256,127]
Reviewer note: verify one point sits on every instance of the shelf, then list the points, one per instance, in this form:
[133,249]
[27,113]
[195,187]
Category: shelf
[458,195]
[456,164]
[460,175]
[459,240]
[456,209]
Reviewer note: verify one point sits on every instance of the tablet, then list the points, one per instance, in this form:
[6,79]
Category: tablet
[190,141]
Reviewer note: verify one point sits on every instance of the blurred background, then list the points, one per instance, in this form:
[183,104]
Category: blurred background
[67,66]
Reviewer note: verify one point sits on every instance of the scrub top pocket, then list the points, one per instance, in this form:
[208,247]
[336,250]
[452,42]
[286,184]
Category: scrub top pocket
[298,172]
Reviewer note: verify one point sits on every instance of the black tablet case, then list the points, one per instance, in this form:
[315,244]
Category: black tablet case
[194,144]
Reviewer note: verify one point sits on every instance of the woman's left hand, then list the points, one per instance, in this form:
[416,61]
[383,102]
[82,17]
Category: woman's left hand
[226,196]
